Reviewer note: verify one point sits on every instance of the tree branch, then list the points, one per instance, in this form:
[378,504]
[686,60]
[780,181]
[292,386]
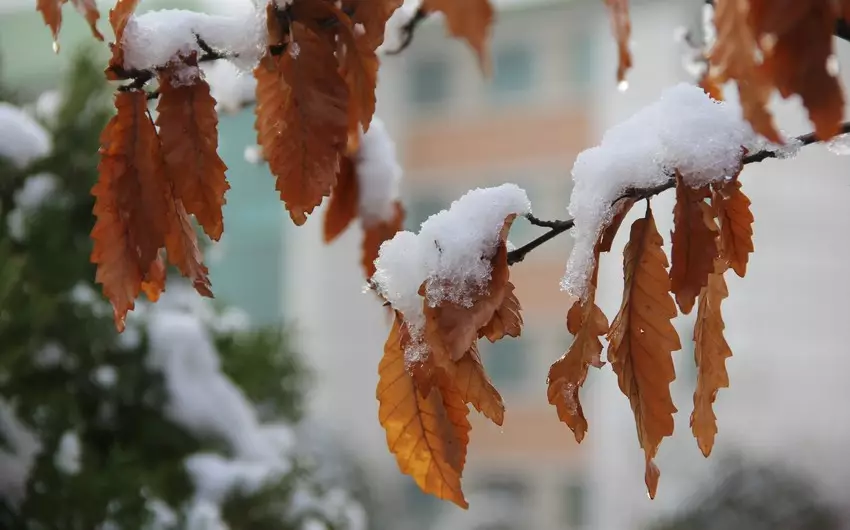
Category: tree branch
[408,30]
[558,227]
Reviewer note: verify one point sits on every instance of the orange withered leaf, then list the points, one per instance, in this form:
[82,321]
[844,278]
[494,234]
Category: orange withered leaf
[797,41]
[89,10]
[474,386]
[507,320]
[374,235]
[428,435]
[567,375]
[734,57]
[130,207]
[694,243]
[618,10]
[471,20]
[642,339]
[153,283]
[302,119]
[623,207]
[51,12]
[710,353]
[342,207]
[373,14]
[360,69]
[181,245]
[736,225]
[188,129]
[118,18]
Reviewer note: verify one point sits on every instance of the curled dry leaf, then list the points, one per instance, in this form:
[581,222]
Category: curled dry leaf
[51,12]
[507,320]
[471,20]
[797,55]
[567,375]
[181,245]
[118,18]
[130,211]
[642,339]
[188,129]
[475,387]
[373,14]
[428,435]
[734,57]
[710,353]
[302,120]
[618,10]
[374,235]
[623,208]
[342,207]
[736,225]
[88,8]
[694,243]
[153,283]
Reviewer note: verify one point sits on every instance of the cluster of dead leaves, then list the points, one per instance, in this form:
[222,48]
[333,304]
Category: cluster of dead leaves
[786,46]
[427,380]
[51,12]
[712,233]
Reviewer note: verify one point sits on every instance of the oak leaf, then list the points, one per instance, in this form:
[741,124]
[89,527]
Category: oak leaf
[374,235]
[567,375]
[642,339]
[797,59]
[471,20]
[188,129]
[301,119]
[710,353]
[428,435]
[734,57]
[507,320]
[736,225]
[130,208]
[694,248]
[621,25]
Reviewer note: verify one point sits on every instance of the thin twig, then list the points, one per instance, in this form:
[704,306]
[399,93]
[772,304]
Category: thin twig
[558,227]
[408,30]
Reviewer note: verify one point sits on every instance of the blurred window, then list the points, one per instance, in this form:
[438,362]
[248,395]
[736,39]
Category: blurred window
[581,50]
[506,361]
[513,69]
[429,81]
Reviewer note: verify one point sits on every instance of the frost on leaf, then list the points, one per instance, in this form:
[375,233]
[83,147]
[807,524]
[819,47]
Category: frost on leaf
[694,248]
[621,25]
[301,120]
[130,210]
[428,435]
[710,353]
[470,20]
[642,339]
[567,375]
[188,128]
[736,225]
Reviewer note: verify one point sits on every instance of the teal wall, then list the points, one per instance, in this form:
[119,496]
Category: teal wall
[250,274]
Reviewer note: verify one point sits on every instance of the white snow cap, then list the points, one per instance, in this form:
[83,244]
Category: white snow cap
[449,254]
[684,130]
[22,139]
[233,88]
[378,174]
[159,37]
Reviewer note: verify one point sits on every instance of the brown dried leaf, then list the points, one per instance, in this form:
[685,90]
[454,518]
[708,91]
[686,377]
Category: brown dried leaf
[51,12]
[181,245]
[373,14]
[797,62]
[360,69]
[694,243]
[374,235]
[734,57]
[710,353]
[301,120]
[188,129]
[642,339]
[154,282]
[428,435]
[618,10]
[623,206]
[471,20]
[118,17]
[342,207]
[736,225]
[474,386]
[507,320]
[130,205]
